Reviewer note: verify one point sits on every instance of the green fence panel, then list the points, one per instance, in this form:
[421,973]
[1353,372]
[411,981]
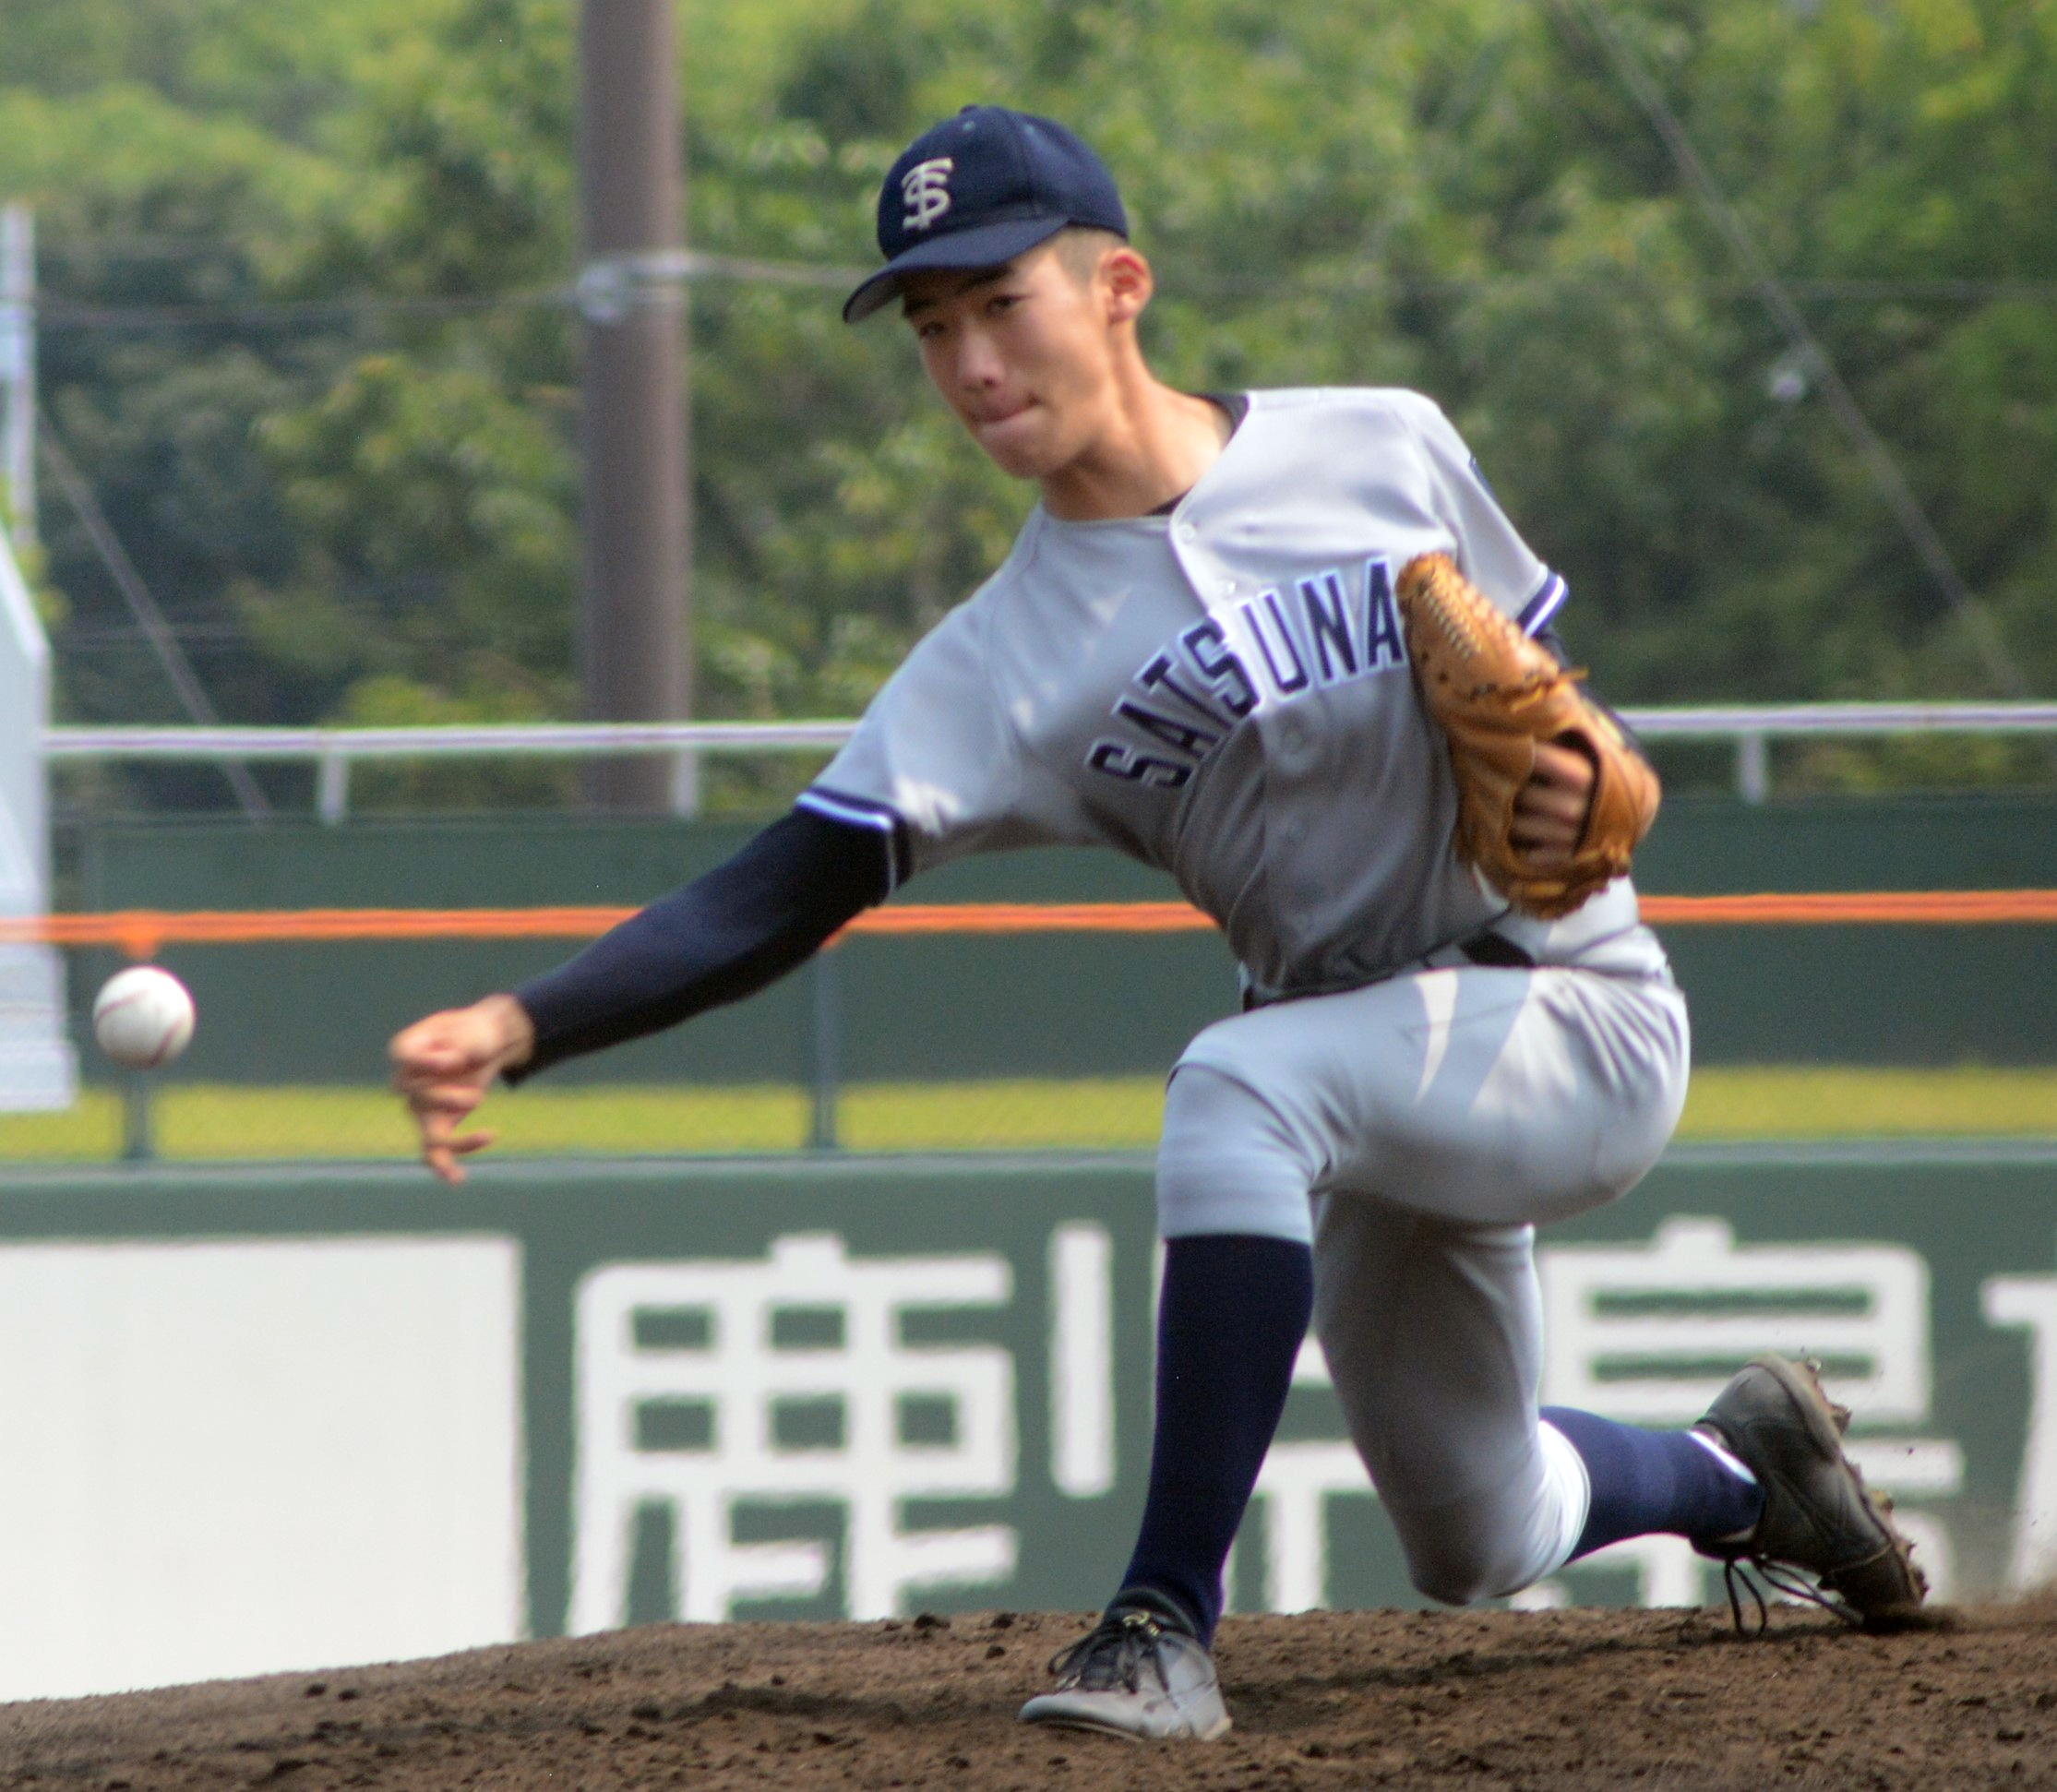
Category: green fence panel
[1060,1005]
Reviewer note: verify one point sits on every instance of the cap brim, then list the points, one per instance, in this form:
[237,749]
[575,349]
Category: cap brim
[983,246]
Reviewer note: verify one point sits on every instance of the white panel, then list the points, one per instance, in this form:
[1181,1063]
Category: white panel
[1081,1359]
[223,1459]
[38,1069]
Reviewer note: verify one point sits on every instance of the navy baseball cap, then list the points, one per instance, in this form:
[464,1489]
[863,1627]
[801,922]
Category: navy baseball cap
[979,189]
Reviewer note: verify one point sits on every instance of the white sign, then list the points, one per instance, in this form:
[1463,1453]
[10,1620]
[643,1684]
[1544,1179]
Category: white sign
[244,1457]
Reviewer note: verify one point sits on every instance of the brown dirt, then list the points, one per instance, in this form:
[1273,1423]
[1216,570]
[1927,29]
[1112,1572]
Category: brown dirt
[1329,1700]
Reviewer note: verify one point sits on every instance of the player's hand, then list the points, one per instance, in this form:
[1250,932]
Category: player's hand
[1550,809]
[444,1064]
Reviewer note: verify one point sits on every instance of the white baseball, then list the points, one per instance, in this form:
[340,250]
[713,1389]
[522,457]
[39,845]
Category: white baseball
[143,1017]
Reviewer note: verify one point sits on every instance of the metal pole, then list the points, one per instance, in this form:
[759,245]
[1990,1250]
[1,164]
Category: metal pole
[138,1131]
[824,1054]
[17,370]
[635,640]
[1752,766]
[332,786]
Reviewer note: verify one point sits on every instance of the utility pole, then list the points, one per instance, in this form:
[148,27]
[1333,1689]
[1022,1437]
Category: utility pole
[17,372]
[635,637]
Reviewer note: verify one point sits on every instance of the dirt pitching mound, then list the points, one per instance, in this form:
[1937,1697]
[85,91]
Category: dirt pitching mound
[1327,1699]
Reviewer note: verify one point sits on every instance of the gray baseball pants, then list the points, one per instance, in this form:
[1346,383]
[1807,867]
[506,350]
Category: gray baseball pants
[1416,1131]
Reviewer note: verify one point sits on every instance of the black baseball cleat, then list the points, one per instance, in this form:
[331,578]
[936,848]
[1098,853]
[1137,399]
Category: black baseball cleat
[1819,1517]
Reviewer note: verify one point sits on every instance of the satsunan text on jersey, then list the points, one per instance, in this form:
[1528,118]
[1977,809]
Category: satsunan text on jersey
[1184,700]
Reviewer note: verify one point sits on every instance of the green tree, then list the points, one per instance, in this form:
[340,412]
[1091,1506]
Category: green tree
[371,511]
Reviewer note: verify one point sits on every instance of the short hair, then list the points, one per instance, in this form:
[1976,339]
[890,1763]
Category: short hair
[1080,246]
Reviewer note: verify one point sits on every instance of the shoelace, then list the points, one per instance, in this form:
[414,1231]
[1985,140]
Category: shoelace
[1779,1579]
[1113,1654]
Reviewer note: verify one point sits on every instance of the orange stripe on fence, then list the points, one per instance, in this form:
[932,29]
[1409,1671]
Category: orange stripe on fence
[1032,918]
[141,932]
[1844,908]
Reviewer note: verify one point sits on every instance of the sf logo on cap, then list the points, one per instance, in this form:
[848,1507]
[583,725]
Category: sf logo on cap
[926,189]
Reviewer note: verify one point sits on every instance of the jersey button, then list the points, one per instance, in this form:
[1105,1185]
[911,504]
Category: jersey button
[1186,532]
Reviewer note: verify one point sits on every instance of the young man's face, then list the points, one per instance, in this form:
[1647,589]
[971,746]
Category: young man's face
[1023,355]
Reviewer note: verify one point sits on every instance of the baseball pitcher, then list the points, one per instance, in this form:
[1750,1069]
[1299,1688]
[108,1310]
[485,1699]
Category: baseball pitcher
[1286,647]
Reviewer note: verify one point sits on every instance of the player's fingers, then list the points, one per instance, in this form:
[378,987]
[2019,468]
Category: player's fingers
[435,1153]
[438,1146]
[457,1097]
[1567,767]
[1546,854]
[1538,830]
[430,1058]
[425,1035]
[451,1103]
[1550,809]
[1546,826]
[442,1156]
[444,1116]
[442,1045]
[1542,806]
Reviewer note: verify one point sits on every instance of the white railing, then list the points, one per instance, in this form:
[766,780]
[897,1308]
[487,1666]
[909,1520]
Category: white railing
[1753,729]
[334,751]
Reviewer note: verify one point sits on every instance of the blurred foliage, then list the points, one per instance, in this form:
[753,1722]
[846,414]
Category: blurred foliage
[364,506]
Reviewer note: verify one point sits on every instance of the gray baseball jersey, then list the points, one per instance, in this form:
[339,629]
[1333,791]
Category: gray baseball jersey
[1223,691]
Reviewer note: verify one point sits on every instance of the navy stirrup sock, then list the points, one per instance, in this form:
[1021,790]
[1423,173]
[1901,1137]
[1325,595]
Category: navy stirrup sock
[1645,1481]
[1234,1312]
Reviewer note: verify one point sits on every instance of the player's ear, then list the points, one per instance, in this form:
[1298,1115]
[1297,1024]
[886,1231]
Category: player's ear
[1127,282]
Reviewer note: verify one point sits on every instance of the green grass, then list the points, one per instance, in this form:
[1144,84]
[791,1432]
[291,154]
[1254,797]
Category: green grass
[1831,1102]
[212,1122]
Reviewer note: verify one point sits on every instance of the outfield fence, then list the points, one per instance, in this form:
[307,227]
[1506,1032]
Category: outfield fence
[825,1101]
[269,1417]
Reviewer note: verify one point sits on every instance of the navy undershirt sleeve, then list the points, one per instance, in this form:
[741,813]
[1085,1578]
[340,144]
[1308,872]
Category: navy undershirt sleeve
[721,937]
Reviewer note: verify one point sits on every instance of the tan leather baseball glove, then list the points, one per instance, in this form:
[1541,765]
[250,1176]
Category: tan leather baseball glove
[1496,693]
